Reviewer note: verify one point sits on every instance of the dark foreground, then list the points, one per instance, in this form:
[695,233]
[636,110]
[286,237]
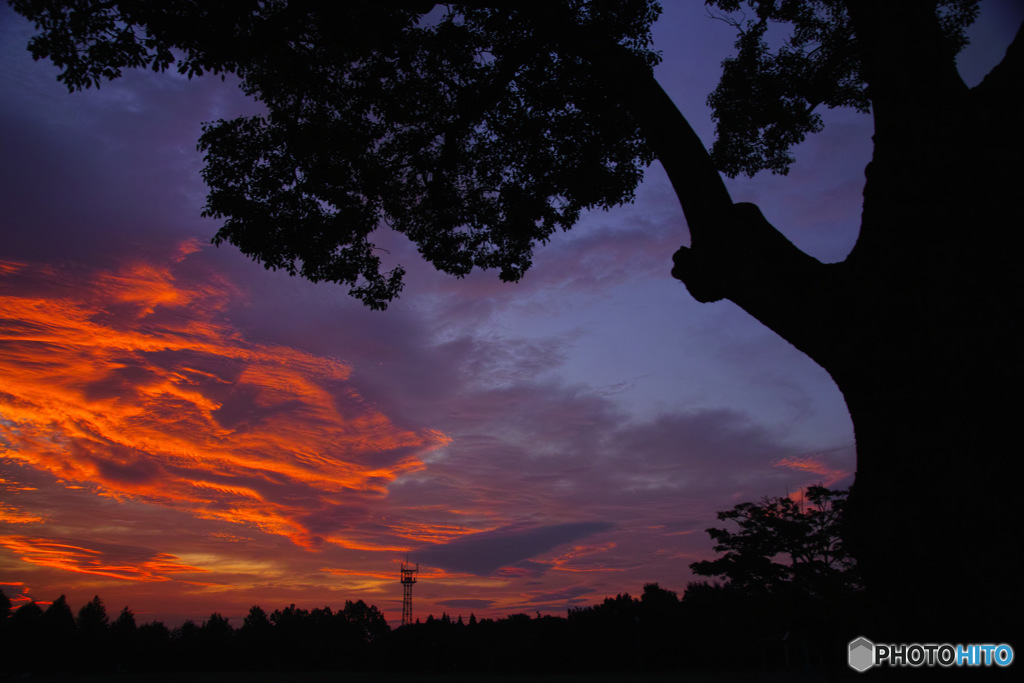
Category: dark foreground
[371,677]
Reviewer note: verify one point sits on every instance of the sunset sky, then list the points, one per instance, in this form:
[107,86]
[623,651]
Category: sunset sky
[182,431]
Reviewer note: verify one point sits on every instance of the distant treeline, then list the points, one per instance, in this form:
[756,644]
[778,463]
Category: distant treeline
[789,600]
[711,627]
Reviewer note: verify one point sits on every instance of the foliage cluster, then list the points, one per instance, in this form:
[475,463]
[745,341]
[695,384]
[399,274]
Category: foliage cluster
[786,547]
[473,131]
[791,59]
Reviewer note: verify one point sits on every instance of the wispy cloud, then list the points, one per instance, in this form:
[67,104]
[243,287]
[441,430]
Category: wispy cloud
[135,382]
[107,560]
[487,552]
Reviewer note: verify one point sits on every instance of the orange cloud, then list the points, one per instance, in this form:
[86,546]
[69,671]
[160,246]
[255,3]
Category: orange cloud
[134,384]
[12,515]
[813,464]
[421,532]
[46,552]
[576,559]
[388,576]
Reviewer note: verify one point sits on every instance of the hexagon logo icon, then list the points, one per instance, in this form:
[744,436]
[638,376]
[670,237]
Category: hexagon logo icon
[862,654]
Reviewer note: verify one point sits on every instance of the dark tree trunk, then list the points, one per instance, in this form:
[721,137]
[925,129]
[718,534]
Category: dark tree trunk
[917,326]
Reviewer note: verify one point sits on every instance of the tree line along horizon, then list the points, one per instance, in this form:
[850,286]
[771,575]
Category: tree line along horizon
[782,566]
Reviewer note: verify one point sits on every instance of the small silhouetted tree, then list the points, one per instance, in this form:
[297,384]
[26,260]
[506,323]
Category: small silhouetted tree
[92,618]
[790,584]
[93,636]
[256,621]
[255,639]
[125,622]
[5,613]
[5,607]
[659,621]
[59,633]
[784,546]
[214,644]
[186,645]
[58,621]
[28,617]
[26,638]
[367,619]
[217,628]
[124,641]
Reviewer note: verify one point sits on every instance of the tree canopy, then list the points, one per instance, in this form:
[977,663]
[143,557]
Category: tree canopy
[766,100]
[785,546]
[473,131]
[476,129]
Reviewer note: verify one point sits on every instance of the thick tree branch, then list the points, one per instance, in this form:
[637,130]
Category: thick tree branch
[696,181]
[925,144]
[908,66]
[735,253]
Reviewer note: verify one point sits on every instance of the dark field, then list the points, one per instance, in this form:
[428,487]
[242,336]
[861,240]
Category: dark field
[341,677]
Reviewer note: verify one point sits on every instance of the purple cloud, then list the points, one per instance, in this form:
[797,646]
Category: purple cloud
[487,552]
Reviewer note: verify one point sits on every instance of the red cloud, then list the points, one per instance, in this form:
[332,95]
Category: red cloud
[135,383]
[129,566]
[813,464]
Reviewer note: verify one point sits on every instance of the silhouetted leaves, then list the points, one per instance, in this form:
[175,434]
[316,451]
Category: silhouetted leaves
[782,545]
[792,591]
[765,103]
[475,132]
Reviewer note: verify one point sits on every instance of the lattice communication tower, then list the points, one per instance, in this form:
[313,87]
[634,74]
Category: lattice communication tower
[408,579]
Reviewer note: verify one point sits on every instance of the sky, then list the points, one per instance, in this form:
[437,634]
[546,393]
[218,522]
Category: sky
[184,432]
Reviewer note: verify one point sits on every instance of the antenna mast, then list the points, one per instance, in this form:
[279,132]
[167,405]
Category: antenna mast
[408,579]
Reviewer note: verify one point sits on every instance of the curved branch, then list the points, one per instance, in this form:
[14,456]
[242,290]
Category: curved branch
[735,252]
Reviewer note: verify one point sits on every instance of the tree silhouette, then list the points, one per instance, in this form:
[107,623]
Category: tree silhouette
[367,620]
[791,591]
[59,633]
[785,546]
[93,631]
[481,129]
[124,646]
[58,620]
[92,618]
[125,622]
[215,643]
[25,632]
[28,617]
[256,621]
[5,607]
[256,638]
[217,628]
